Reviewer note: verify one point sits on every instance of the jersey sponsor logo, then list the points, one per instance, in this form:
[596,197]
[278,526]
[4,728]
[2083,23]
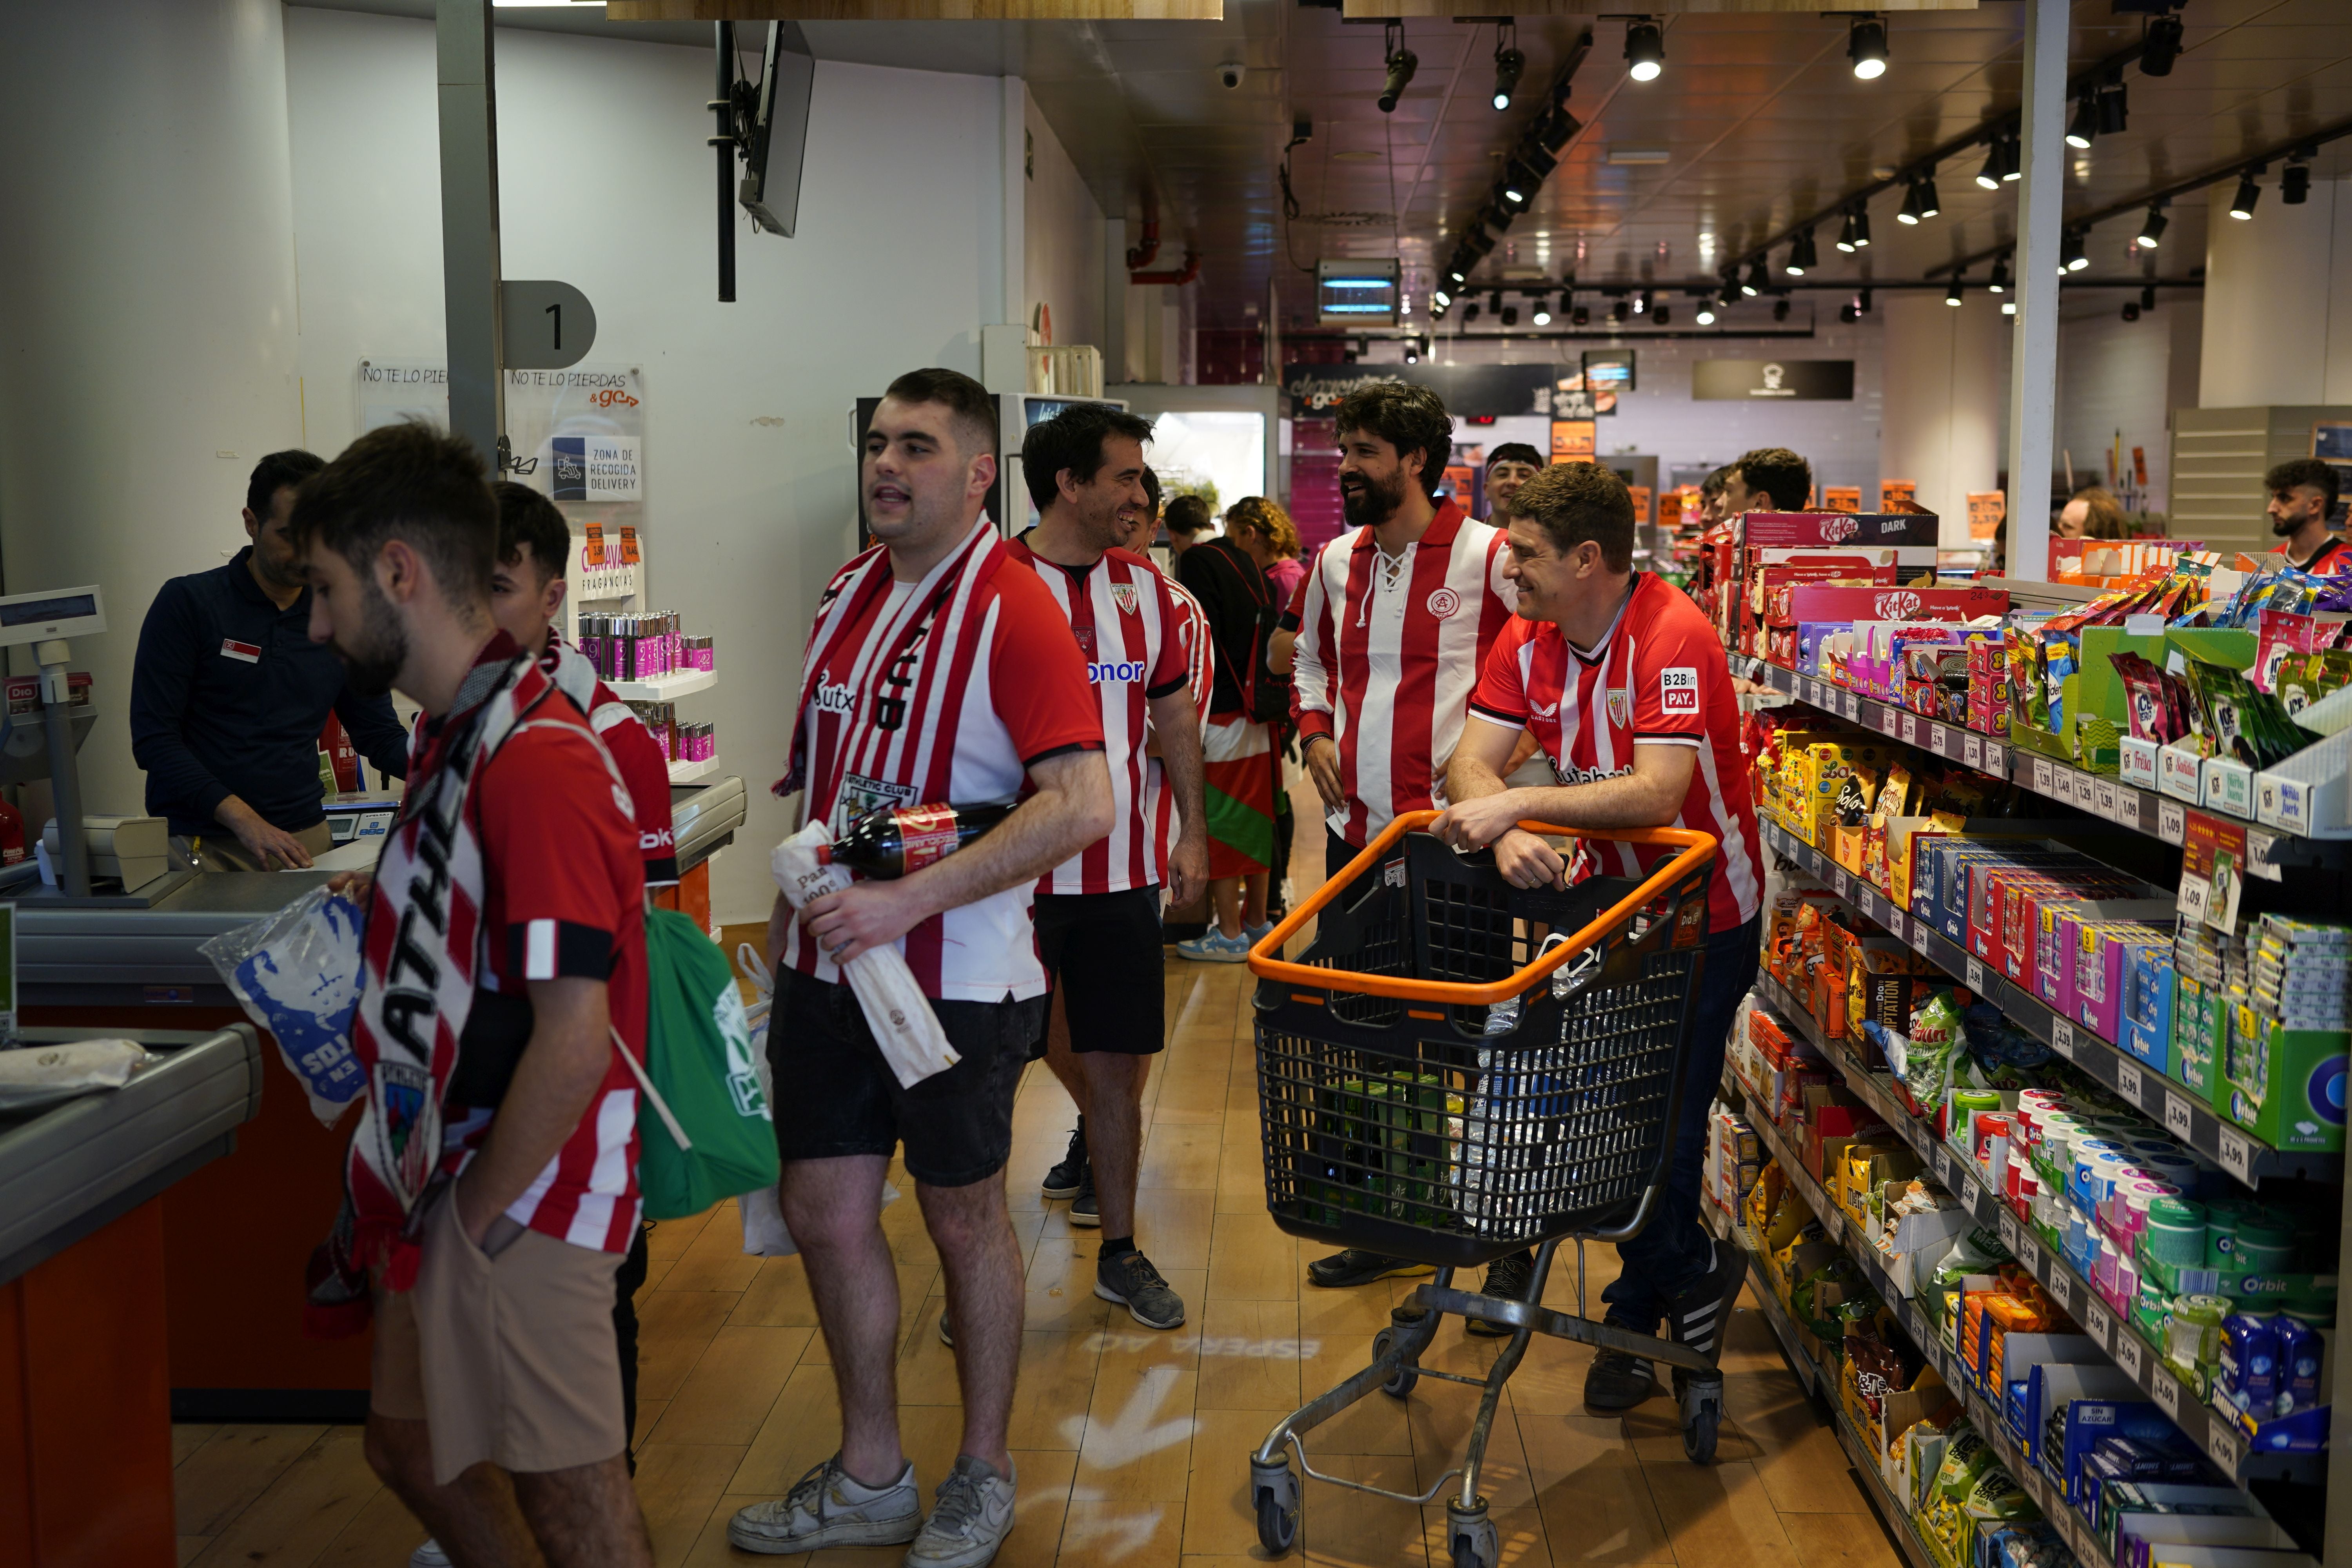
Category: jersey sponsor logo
[1620,707]
[836,697]
[245,651]
[1543,710]
[860,794]
[1590,775]
[661,840]
[1443,602]
[1123,595]
[1116,673]
[1678,689]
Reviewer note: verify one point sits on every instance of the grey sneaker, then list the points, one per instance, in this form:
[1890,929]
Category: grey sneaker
[1132,1281]
[429,1555]
[971,1514]
[815,1514]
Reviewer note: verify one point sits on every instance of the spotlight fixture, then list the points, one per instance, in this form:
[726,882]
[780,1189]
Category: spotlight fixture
[2000,284]
[2151,232]
[2009,306]
[1861,227]
[1641,301]
[1541,314]
[1952,294]
[2161,46]
[1662,315]
[1442,297]
[1866,45]
[1517,187]
[1706,313]
[1780,309]
[1401,63]
[1802,254]
[1847,239]
[2148,297]
[2242,206]
[1455,272]
[1645,49]
[1498,214]
[1753,284]
[1508,63]
[2085,129]
[1909,214]
[1929,203]
[1469,314]
[2131,309]
[1510,315]
[2013,160]
[1919,201]
[1412,351]
[1847,313]
[1553,131]
[2294,182]
[2070,257]
[1862,301]
[1620,310]
[1477,243]
[1994,165]
[1581,317]
[1494,303]
[2114,111]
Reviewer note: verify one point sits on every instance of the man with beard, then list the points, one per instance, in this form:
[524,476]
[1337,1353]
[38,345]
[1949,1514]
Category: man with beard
[2303,498]
[490,1184]
[1097,914]
[1394,617]
[228,695]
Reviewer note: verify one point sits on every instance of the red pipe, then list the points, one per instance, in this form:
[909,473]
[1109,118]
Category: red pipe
[1142,255]
[1190,270]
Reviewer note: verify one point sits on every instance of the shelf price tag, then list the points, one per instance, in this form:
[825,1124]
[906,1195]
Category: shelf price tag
[1852,706]
[2062,1038]
[1896,923]
[2106,799]
[1887,725]
[2167,1393]
[1972,1196]
[1919,935]
[2028,1251]
[1973,749]
[2008,1227]
[2177,1118]
[2127,1080]
[2196,892]
[1996,758]
[2228,1449]
[2238,1155]
[1910,730]
[1845,884]
[2128,1354]
[2061,1290]
[1940,739]
[1943,1162]
[1976,976]
[2171,821]
[2041,776]
[2097,1322]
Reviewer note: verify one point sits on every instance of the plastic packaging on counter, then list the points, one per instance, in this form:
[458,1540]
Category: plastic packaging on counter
[297,974]
[34,1076]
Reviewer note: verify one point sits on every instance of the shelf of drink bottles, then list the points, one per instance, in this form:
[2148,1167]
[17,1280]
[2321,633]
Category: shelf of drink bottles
[2213,1431]
[686,772]
[2156,1096]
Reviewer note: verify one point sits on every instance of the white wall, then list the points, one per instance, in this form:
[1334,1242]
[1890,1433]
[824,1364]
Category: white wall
[2117,375]
[1947,400]
[2278,299]
[605,182]
[147,270]
[1062,246]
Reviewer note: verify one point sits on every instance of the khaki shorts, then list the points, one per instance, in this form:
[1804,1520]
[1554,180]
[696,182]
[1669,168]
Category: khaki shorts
[504,1351]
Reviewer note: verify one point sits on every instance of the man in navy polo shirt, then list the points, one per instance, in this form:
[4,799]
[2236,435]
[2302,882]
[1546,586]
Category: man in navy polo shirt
[229,694]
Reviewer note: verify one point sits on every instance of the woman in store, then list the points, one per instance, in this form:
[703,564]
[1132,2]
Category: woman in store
[1262,528]
[2093,513]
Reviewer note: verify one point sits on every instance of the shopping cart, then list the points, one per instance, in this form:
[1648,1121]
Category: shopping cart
[1456,1069]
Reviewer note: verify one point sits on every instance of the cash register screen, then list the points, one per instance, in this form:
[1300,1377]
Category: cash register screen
[35,612]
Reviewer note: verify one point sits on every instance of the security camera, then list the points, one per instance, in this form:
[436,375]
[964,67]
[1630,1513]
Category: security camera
[1230,74]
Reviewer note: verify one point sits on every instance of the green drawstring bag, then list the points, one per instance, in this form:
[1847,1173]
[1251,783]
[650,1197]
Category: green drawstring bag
[704,1133]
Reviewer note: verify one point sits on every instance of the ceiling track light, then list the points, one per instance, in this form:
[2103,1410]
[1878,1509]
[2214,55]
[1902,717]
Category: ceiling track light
[1847,313]
[2161,46]
[2294,182]
[1910,211]
[1441,298]
[1412,351]
[2012,159]
[2114,110]
[2085,129]
[1556,127]
[2071,257]
[2242,206]
[1645,48]
[2131,309]
[1780,309]
[1510,315]
[1802,254]
[1866,45]
[1753,284]
[2148,297]
[2000,284]
[1641,301]
[1952,294]
[1861,226]
[1580,317]
[2151,232]
[1706,313]
[1469,314]
[1662,315]
[1508,63]
[1401,63]
[1541,315]
[1498,214]
[1930,205]
[1845,239]
[1995,165]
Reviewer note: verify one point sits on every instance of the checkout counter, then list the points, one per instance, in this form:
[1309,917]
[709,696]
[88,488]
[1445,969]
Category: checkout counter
[236,1233]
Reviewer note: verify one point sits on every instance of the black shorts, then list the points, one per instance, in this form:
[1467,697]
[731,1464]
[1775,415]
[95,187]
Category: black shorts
[1102,952]
[835,1095]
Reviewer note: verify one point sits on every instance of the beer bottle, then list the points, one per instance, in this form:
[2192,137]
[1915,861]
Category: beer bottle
[901,841]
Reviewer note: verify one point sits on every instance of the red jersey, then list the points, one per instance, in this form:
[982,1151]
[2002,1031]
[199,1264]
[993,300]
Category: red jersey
[1658,678]
[947,690]
[563,896]
[1386,660]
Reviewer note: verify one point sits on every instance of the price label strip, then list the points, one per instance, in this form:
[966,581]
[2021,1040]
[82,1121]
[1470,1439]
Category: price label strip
[1940,739]
[2062,1038]
[1996,758]
[1976,977]
[1972,749]
[2177,1118]
[2167,1393]
[2061,1290]
[2171,821]
[2127,1352]
[2127,1080]
[2238,1155]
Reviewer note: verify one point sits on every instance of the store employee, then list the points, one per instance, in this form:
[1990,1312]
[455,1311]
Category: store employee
[229,694]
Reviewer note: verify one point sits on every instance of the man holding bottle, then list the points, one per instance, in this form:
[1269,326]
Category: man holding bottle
[939,671]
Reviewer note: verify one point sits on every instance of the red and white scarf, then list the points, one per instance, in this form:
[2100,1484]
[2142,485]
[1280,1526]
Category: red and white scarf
[421,955]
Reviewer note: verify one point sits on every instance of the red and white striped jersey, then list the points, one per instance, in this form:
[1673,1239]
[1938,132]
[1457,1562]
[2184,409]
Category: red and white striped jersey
[1191,626]
[1124,616]
[945,691]
[1658,678]
[1386,664]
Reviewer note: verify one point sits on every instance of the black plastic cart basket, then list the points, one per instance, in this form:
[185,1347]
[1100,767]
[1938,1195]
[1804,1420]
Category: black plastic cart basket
[1456,1069]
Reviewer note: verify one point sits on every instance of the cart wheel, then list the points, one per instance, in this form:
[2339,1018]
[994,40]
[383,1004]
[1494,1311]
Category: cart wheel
[1471,1539]
[1702,1420]
[1276,1490]
[1401,1380]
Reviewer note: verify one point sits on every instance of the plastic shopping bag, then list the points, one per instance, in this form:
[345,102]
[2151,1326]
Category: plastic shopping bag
[895,1009]
[297,974]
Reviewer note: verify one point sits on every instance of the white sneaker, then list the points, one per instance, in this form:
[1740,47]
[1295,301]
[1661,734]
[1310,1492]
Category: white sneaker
[818,1512]
[971,1516]
[429,1555]
[1213,946]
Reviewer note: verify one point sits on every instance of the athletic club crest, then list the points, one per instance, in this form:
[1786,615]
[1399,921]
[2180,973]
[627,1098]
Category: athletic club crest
[1620,704]
[1443,602]
[1123,594]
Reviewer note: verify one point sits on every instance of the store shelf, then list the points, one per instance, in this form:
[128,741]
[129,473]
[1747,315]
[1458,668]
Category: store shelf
[686,772]
[1953,1171]
[2162,1100]
[2142,810]
[662,689]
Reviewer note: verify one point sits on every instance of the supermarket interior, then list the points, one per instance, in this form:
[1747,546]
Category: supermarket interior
[1971,372]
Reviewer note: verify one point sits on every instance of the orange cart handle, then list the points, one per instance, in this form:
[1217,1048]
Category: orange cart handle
[1267,963]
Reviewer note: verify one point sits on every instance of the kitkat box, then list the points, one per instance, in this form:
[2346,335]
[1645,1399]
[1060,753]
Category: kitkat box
[1827,603]
[1818,529]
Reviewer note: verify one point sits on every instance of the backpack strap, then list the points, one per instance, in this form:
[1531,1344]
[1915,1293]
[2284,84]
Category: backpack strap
[653,1095]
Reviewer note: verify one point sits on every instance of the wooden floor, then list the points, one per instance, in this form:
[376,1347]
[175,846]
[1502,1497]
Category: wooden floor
[1132,1445]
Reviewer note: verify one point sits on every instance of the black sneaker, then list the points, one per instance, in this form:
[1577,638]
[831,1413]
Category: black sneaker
[1616,1381]
[1507,1277]
[1356,1266]
[1696,1316]
[1084,1208]
[1062,1181]
[1132,1281]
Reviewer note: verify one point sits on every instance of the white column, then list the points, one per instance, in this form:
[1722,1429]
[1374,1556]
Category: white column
[2278,299]
[150,337]
[2033,361]
[1944,390]
[1115,292]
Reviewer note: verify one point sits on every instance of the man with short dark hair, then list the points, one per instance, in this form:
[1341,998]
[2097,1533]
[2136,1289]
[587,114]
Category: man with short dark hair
[2303,498]
[1710,495]
[1769,478]
[1624,683]
[1508,467]
[490,1186]
[228,697]
[940,669]
[1097,914]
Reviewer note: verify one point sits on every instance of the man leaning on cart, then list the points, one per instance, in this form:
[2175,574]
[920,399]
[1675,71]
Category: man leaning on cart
[1622,680]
